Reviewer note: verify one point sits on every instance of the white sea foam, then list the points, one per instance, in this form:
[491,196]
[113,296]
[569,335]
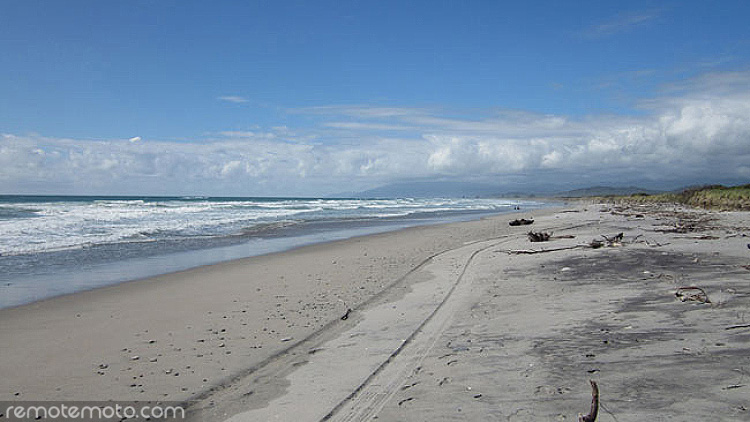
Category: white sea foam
[45,225]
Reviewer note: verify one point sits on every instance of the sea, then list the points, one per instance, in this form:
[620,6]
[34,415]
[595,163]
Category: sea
[55,245]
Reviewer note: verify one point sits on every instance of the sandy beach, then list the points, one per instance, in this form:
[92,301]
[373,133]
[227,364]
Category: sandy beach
[464,321]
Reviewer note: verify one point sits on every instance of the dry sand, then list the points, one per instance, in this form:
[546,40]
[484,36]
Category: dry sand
[452,322]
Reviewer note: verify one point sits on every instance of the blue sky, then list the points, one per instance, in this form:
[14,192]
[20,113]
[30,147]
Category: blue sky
[315,97]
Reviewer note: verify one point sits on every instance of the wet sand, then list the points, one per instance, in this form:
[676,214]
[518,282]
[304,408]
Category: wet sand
[467,321]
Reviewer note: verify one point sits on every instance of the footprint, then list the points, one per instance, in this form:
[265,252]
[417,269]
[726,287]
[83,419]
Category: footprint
[405,400]
[408,386]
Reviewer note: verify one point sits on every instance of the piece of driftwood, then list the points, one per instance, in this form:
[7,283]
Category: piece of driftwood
[346,315]
[608,241]
[539,236]
[591,417]
[521,222]
[735,327]
[679,228]
[616,239]
[535,251]
[704,237]
[693,294]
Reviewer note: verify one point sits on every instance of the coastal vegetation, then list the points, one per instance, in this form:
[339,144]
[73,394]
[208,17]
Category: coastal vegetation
[716,197]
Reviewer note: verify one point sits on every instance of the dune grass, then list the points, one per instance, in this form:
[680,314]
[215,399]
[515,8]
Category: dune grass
[716,197]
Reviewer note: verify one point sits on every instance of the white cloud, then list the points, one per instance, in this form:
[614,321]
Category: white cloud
[551,159]
[620,23]
[698,132]
[248,134]
[367,126]
[233,99]
[362,111]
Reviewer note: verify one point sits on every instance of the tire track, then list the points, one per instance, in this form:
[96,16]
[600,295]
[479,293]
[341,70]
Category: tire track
[361,401]
[371,396]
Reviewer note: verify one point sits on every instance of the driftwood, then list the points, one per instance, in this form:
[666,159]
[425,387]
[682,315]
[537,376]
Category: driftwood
[693,294]
[683,226]
[734,327]
[704,237]
[346,315]
[521,222]
[591,417]
[614,239]
[596,244]
[535,251]
[539,236]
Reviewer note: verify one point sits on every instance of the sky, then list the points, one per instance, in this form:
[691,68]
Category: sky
[311,98]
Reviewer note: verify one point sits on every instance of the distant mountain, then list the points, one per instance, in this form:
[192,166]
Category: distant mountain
[427,190]
[483,190]
[604,191]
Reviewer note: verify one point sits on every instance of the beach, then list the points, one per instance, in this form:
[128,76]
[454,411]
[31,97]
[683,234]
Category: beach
[460,321]
[55,245]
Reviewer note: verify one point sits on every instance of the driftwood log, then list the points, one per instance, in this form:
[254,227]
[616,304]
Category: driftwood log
[539,236]
[521,222]
[591,417]
[693,294]
[734,327]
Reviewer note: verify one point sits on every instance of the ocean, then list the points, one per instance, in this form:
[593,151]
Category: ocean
[54,245]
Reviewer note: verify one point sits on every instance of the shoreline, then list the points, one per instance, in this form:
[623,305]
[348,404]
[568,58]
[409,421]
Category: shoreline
[185,310]
[60,279]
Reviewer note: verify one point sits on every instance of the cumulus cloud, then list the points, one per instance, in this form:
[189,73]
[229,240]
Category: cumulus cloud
[696,132]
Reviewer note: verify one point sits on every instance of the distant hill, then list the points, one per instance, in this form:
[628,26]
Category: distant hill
[482,190]
[427,190]
[604,191]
